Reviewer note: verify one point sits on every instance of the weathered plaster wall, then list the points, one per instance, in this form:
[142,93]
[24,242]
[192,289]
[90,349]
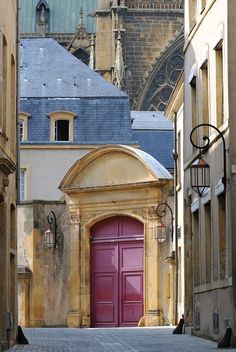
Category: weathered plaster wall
[44,283]
[57,162]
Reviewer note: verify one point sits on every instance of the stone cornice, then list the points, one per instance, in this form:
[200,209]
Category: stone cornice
[7,166]
[63,146]
[128,186]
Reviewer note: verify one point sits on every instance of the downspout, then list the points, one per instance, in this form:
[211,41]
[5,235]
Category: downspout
[175,157]
[18,102]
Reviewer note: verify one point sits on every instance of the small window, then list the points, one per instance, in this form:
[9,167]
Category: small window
[61,126]
[62,130]
[42,17]
[205,96]
[219,85]
[203,5]
[21,130]
[22,185]
[192,13]
[23,126]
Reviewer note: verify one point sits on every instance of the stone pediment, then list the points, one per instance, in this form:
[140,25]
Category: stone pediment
[113,166]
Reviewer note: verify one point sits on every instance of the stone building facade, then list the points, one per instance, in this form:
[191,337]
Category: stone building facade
[209,98]
[8,158]
[175,112]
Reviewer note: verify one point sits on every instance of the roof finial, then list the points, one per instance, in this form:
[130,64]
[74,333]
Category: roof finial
[119,74]
[92,52]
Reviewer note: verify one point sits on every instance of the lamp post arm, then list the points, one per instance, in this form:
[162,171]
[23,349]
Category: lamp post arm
[207,145]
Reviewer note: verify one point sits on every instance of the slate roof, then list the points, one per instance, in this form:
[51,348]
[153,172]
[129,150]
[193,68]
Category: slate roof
[64,15]
[156,167]
[154,133]
[49,70]
[150,120]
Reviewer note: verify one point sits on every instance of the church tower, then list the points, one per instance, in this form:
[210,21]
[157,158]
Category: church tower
[138,43]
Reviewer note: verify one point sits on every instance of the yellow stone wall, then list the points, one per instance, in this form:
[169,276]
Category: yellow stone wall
[8,91]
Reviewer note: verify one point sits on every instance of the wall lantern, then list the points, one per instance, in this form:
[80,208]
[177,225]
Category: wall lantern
[199,176]
[199,169]
[161,230]
[160,233]
[51,233]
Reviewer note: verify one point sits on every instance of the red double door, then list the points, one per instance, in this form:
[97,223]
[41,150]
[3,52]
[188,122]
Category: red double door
[116,272]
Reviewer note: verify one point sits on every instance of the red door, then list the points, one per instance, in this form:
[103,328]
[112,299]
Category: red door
[116,272]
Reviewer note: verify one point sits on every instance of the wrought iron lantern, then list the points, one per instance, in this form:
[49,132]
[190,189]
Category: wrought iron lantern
[51,233]
[199,169]
[199,176]
[160,232]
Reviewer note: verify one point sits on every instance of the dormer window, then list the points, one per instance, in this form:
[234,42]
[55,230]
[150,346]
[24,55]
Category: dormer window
[62,130]
[21,130]
[23,126]
[61,126]
[42,17]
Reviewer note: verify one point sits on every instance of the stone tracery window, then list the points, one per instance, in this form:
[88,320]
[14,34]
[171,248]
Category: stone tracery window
[42,17]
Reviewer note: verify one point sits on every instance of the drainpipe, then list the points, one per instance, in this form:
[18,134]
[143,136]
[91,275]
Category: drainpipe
[175,157]
[18,102]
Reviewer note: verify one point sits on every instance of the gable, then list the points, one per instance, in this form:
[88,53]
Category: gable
[114,166]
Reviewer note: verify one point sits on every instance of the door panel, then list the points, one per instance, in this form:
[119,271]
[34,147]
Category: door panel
[131,279]
[104,285]
[104,298]
[132,256]
[116,273]
[132,302]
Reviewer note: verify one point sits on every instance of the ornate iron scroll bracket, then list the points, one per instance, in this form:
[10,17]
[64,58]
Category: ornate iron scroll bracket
[207,144]
[162,207]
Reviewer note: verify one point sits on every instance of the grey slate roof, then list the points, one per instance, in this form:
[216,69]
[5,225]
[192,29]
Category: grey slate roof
[154,133]
[156,167]
[150,120]
[64,15]
[49,70]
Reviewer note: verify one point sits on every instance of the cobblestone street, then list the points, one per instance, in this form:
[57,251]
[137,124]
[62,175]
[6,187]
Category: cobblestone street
[112,340]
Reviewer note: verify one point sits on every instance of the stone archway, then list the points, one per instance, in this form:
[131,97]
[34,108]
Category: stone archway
[114,181]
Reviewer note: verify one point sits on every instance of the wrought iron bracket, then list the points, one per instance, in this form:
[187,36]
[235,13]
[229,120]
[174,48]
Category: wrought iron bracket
[163,206]
[207,144]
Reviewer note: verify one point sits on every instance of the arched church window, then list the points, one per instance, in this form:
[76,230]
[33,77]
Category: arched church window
[42,17]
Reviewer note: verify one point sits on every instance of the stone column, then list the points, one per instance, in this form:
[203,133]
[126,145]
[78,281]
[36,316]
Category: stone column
[153,311]
[24,275]
[74,315]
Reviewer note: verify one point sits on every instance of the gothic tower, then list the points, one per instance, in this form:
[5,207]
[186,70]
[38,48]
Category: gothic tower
[139,48]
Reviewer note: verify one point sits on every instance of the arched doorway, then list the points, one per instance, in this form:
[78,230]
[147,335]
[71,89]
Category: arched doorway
[116,272]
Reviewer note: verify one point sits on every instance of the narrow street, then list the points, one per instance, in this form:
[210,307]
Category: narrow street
[113,340]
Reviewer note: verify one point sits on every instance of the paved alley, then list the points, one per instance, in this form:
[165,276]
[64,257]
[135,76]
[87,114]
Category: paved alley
[112,340]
